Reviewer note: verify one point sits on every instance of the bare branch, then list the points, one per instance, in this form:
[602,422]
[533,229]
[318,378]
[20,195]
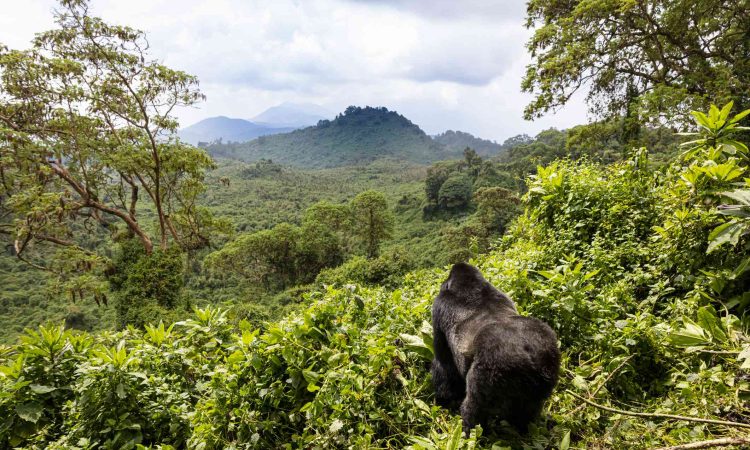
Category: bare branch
[659,415]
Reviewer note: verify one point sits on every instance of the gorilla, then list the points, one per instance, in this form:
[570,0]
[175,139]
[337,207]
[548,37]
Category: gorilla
[488,358]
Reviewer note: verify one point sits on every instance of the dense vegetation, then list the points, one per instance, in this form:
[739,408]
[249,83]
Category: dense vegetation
[260,195]
[357,136]
[613,257]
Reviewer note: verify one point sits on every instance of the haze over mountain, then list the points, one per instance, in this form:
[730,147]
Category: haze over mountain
[227,129]
[357,136]
[277,119]
[293,115]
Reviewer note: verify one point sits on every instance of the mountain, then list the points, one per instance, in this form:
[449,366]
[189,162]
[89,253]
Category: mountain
[227,129]
[459,140]
[357,136]
[293,115]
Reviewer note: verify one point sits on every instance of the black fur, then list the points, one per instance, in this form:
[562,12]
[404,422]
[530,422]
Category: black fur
[489,359]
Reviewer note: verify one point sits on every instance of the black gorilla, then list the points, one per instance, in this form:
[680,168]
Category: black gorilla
[487,357]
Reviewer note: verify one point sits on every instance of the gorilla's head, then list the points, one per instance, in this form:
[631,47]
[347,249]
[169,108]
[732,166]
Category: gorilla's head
[467,283]
[464,278]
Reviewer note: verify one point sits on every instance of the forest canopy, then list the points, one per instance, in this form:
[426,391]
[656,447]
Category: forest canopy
[652,60]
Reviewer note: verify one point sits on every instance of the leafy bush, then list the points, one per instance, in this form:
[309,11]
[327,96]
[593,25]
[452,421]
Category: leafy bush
[148,287]
[387,269]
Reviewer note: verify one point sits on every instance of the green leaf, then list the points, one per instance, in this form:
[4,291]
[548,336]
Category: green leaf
[39,389]
[729,232]
[30,412]
[565,441]
[416,344]
[422,406]
[701,119]
[740,195]
[310,376]
[120,390]
[455,439]
[423,443]
[744,358]
[689,336]
[708,320]
[724,114]
[739,116]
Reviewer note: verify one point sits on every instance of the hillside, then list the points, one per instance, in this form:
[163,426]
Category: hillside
[357,136]
[228,130]
[459,140]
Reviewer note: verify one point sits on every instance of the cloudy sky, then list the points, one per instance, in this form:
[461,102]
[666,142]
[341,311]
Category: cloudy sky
[444,64]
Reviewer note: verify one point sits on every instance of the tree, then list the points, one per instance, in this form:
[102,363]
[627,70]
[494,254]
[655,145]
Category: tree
[331,219]
[87,135]
[267,257]
[455,192]
[148,287]
[665,55]
[436,176]
[337,217]
[473,161]
[496,207]
[373,220]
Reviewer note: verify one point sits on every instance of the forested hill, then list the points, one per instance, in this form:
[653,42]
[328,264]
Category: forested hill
[357,136]
[459,140]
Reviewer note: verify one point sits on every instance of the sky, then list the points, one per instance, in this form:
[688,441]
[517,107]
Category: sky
[443,64]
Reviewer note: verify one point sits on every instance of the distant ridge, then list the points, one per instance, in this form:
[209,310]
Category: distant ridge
[293,115]
[227,130]
[357,136]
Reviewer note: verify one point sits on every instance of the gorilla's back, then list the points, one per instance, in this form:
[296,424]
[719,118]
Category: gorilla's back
[521,352]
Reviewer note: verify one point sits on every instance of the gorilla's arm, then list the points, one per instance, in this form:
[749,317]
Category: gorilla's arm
[450,387]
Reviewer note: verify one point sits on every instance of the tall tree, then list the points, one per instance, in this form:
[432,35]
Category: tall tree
[373,220]
[668,56]
[87,134]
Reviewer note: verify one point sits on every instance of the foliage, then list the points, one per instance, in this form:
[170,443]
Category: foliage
[88,151]
[437,174]
[287,255]
[280,257]
[373,221]
[455,192]
[385,270]
[86,127]
[638,58]
[496,208]
[148,287]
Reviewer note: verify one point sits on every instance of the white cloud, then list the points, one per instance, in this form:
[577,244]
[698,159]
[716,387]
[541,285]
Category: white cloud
[441,63]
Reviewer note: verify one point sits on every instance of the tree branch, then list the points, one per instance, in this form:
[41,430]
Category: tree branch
[708,444]
[659,415]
